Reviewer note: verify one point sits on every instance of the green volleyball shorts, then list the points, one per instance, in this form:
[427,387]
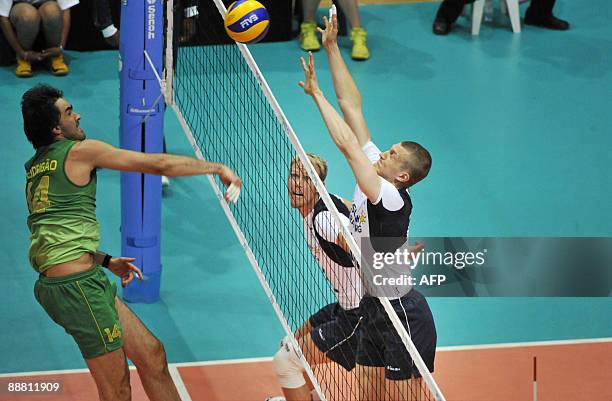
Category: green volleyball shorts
[84,305]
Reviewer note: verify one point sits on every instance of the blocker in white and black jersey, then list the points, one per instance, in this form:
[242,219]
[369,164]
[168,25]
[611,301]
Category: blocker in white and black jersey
[385,222]
[335,327]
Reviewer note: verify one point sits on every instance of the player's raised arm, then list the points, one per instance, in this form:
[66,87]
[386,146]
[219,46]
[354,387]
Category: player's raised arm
[342,135]
[97,154]
[349,97]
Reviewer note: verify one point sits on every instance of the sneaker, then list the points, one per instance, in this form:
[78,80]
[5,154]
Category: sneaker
[23,69]
[360,47]
[308,37]
[58,66]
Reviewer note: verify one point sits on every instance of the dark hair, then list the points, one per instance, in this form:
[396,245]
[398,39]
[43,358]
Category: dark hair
[40,115]
[418,162]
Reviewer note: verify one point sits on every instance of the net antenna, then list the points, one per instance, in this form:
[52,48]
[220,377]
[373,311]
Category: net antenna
[186,96]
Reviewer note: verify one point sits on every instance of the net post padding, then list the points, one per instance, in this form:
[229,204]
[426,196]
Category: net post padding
[169,70]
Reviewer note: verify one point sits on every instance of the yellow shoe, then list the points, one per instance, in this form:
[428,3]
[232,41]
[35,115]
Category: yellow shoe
[23,69]
[308,37]
[58,66]
[360,47]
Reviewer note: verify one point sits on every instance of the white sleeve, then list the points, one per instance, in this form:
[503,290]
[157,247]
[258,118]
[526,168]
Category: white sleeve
[390,196]
[327,227]
[66,4]
[5,7]
[371,151]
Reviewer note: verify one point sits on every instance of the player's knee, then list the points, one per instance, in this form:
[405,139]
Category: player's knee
[25,16]
[287,366]
[155,361]
[50,10]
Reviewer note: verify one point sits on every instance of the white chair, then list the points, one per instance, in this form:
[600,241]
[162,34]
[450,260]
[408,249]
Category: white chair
[513,11]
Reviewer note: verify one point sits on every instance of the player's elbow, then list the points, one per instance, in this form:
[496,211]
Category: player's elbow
[160,164]
[349,147]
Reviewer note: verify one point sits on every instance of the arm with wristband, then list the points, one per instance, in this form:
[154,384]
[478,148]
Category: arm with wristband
[121,267]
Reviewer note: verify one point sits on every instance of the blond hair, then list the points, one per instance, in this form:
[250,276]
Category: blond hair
[317,161]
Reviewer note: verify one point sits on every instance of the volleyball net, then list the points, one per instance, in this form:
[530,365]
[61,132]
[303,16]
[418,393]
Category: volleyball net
[230,115]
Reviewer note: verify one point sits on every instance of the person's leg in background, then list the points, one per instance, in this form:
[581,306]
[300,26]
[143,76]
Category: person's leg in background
[308,29]
[52,18]
[540,13]
[447,14]
[25,21]
[350,8]
[103,21]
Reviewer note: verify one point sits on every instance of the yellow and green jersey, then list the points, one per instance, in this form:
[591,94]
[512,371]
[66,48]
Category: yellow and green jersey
[62,215]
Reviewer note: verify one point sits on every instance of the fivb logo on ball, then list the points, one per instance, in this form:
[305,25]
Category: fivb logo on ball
[246,21]
[249,21]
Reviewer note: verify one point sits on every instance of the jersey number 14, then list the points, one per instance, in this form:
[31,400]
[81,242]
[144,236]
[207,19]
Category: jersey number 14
[38,201]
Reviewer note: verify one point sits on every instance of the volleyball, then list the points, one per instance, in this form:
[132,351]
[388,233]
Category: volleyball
[246,21]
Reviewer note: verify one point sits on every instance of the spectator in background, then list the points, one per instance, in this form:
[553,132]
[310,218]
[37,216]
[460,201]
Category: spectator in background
[308,29]
[539,14]
[22,20]
[103,21]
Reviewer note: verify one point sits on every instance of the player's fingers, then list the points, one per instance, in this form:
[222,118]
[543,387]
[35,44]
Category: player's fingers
[126,278]
[301,84]
[311,61]
[233,192]
[235,195]
[321,31]
[418,246]
[127,260]
[136,270]
[303,64]
[325,22]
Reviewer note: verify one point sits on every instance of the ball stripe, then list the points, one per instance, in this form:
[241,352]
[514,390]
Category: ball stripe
[240,10]
[243,24]
[234,4]
[256,31]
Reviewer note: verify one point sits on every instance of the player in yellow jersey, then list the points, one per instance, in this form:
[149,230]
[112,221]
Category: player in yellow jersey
[72,287]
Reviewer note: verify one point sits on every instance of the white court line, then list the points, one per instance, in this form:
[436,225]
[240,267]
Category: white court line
[525,344]
[50,372]
[267,359]
[178,382]
[222,362]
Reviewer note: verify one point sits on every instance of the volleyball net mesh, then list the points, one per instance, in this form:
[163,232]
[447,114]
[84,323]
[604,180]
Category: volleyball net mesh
[229,116]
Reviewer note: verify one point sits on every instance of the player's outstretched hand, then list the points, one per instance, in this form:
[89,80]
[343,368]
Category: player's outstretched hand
[329,35]
[310,86]
[233,184]
[124,269]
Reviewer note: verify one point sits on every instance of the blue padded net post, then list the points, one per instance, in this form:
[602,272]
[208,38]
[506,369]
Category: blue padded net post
[141,116]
